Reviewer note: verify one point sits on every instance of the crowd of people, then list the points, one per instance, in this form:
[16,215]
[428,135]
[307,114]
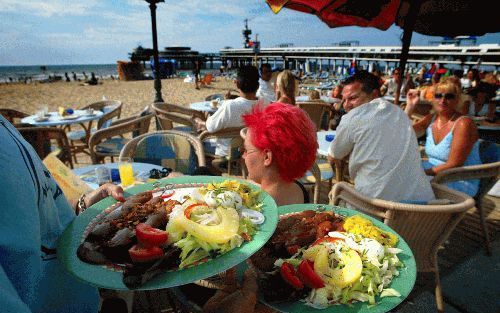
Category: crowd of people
[375,136]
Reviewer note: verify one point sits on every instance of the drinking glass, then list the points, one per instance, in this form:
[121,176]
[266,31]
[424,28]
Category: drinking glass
[126,171]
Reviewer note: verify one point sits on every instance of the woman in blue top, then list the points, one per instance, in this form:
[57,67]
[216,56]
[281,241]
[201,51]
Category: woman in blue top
[452,139]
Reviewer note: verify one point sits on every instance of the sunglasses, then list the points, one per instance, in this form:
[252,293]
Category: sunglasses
[156,174]
[447,96]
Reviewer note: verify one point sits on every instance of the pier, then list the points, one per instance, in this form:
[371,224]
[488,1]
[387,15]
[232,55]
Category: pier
[310,58]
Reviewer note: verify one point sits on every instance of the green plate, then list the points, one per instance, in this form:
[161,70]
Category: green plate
[106,277]
[403,283]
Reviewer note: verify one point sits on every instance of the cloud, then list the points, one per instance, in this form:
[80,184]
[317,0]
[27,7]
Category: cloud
[48,8]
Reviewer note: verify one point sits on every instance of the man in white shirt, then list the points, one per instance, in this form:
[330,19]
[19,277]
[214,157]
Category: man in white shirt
[266,89]
[382,147]
[229,113]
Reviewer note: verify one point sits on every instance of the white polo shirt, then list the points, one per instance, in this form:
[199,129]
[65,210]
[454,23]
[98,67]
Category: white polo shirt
[384,160]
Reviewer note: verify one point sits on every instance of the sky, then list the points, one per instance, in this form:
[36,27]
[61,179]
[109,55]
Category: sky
[47,32]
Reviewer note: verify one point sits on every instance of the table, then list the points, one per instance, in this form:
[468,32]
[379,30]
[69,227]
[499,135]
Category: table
[90,170]
[323,98]
[489,131]
[54,119]
[323,145]
[203,106]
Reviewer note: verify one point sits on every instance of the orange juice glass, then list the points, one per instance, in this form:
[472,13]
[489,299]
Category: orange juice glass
[126,172]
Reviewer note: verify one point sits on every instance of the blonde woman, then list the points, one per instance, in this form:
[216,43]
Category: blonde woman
[285,87]
[452,138]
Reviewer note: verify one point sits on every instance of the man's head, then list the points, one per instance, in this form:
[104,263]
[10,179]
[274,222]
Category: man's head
[266,72]
[359,89]
[247,79]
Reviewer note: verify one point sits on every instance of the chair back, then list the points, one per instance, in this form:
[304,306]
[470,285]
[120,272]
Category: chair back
[135,126]
[236,141]
[178,150]
[111,109]
[424,227]
[315,110]
[11,115]
[207,79]
[167,114]
[41,138]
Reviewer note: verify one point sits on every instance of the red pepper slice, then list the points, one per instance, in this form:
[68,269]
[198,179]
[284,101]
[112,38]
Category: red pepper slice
[325,239]
[149,236]
[290,276]
[141,254]
[189,209]
[168,195]
[308,276]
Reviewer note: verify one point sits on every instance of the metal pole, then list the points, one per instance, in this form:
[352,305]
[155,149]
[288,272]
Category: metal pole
[410,20]
[152,7]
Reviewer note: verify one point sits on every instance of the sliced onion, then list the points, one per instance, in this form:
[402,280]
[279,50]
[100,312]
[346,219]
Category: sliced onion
[255,217]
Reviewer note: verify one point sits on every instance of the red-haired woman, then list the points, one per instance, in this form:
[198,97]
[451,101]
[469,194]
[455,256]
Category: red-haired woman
[280,146]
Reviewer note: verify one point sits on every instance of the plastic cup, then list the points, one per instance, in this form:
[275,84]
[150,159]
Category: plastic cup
[329,137]
[126,171]
[103,175]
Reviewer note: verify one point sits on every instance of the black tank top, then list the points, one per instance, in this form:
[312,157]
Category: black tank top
[304,192]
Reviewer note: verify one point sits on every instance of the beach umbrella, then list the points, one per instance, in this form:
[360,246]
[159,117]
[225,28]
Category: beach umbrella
[428,17]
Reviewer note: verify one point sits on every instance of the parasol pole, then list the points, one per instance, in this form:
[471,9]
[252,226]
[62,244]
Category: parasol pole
[157,84]
[411,18]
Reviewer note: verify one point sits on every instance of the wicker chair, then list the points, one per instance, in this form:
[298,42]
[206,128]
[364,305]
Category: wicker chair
[111,109]
[41,138]
[315,110]
[424,227]
[11,115]
[110,141]
[168,148]
[167,114]
[232,133]
[488,173]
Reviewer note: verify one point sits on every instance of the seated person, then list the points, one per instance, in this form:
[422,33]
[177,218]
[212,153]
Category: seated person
[285,87]
[229,113]
[381,144]
[391,85]
[452,139]
[266,89]
[280,146]
[480,105]
[314,95]
[93,80]
[34,214]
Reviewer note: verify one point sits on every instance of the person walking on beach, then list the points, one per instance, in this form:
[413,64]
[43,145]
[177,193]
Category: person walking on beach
[67,77]
[196,72]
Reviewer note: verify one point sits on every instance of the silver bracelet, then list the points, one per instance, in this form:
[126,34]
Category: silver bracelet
[81,206]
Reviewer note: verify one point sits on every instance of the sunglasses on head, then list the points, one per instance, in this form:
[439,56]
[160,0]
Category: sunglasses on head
[447,96]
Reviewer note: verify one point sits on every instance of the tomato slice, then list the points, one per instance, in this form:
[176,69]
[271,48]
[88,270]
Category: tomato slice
[168,194]
[289,275]
[308,276]
[149,236]
[141,254]
[325,239]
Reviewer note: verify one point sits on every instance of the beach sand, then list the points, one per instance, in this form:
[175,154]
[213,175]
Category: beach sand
[135,95]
